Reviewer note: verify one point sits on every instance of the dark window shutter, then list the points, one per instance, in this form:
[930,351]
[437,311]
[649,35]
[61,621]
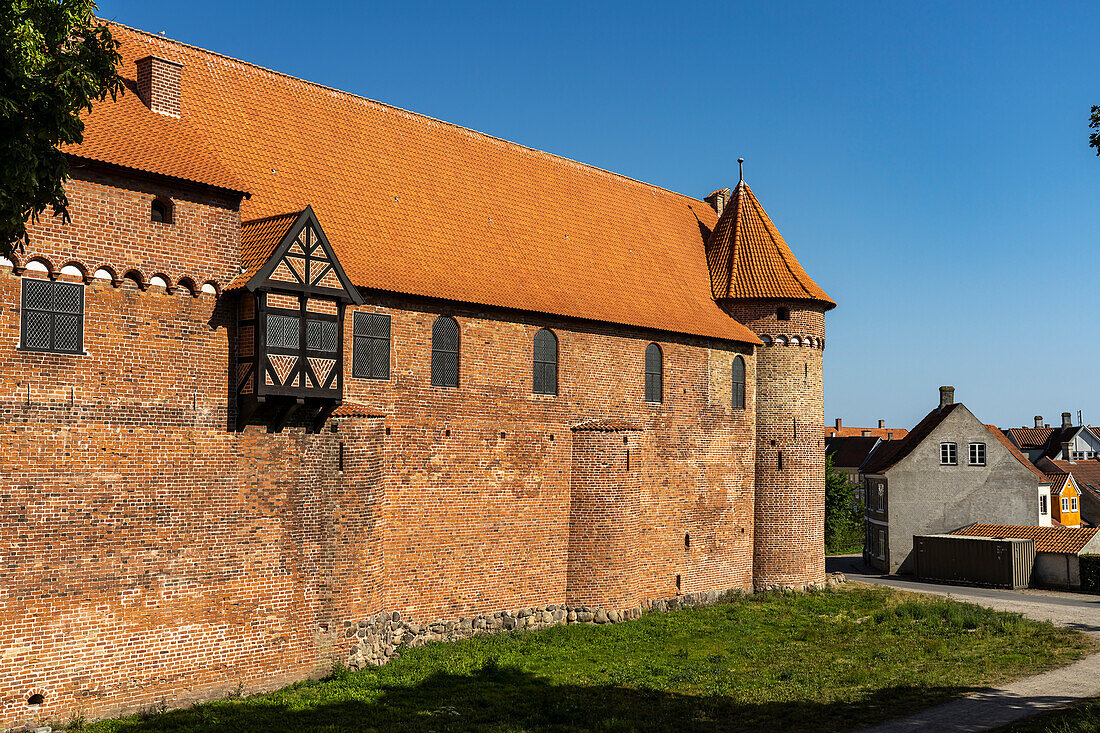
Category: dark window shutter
[445,346]
[52,316]
[371,346]
[738,383]
[654,374]
[545,366]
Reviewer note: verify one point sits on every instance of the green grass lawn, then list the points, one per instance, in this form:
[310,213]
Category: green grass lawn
[832,660]
[1084,717]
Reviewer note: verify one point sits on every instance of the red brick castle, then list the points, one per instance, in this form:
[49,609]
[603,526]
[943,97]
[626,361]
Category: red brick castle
[307,376]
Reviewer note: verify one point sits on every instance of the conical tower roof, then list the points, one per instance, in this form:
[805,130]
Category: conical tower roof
[748,257]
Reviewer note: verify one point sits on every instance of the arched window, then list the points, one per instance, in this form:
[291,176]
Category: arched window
[545,363]
[654,374]
[445,352]
[738,383]
[161,210]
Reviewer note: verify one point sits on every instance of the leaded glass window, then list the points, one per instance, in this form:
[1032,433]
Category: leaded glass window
[654,374]
[371,347]
[738,383]
[445,343]
[545,379]
[52,316]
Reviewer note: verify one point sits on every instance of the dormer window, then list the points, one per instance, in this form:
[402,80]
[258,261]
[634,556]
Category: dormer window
[161,210]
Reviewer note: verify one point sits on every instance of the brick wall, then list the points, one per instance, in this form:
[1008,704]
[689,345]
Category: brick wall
[150,553]
[790,500]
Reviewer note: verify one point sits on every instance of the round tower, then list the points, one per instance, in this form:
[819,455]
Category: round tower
[758,281]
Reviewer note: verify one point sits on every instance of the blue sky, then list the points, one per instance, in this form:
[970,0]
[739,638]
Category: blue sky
[927,162]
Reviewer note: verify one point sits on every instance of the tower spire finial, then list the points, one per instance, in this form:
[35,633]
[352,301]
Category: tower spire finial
[741,167]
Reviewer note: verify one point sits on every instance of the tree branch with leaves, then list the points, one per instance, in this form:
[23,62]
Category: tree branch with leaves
[56,59]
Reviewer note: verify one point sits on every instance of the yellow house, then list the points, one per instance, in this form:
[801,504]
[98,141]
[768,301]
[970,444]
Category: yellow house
[1065,499]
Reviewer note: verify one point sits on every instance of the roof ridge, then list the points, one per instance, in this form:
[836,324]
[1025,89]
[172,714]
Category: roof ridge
[469,130]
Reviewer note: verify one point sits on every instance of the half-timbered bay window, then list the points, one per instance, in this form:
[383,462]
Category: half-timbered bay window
[290,319]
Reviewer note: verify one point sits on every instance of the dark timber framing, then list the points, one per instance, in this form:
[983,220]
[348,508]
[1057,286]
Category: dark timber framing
[320,334]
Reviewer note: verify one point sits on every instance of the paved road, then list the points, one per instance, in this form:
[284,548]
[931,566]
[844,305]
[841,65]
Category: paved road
[1000,706]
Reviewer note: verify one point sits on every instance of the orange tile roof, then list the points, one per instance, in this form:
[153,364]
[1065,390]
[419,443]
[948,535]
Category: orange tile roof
[125,133]
[748,257]
[850,432]
[1057,483]
[418,206]
[1086,473]
[1003,440]
[1047,539]
[1031,437]
[259,237]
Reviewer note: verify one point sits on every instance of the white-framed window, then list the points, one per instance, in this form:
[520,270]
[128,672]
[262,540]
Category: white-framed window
[977,454]
[1043,505]
[949,454]
[882,543]
[1073,503]
[1065,503]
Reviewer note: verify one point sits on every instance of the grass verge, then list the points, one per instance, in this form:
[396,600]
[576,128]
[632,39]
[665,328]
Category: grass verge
[1082,717]
[821,661]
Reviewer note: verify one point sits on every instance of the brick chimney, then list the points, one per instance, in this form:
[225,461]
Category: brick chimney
[159,84]
[1065,452]
[838,423]
[1038,421]
[719,199]
[1067,420]
[947,396]
[881,424]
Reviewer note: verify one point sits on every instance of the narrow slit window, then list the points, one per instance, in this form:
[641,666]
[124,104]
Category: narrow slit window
[371,348]
[654,374]
[738,383]
[445,352]
[545,376]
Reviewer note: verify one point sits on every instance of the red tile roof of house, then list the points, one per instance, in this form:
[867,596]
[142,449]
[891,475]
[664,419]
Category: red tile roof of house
[1057,483]
[748,257]
[1003,440]
[850,432]
[417,206]
[1031,438]
[1086,473]
[1047,539]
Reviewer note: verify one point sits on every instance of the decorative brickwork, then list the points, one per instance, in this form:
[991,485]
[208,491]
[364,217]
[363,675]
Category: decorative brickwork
[150,552]
[790,448]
